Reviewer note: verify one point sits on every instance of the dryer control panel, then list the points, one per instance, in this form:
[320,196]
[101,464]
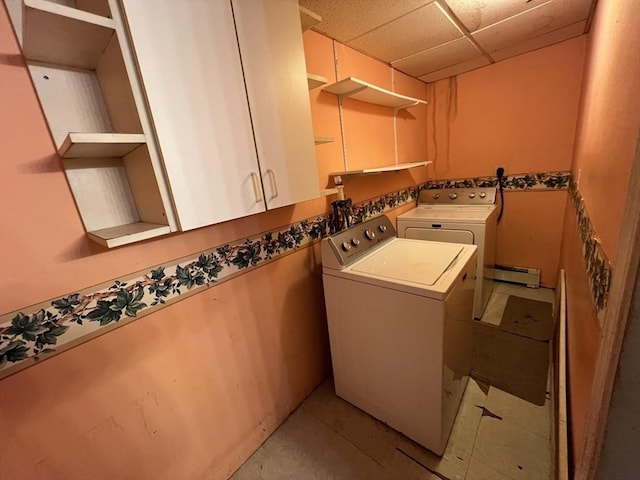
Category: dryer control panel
[354,242]
[458,196]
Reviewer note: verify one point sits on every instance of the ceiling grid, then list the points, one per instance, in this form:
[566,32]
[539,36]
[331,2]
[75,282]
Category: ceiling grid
[436,39]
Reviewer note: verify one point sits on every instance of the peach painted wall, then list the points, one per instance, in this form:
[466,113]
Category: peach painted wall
[532,238]
[583,331]
[609,119]
[608,127]
[189,391]
[520,114]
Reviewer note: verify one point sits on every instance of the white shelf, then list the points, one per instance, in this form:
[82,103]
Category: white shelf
[125,234]
[368,93]
[372,171]
[100,145]
[308,19]
[315,81]
[62,35]
[320,140]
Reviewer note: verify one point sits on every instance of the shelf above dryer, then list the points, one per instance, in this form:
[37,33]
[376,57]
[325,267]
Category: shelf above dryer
[320,140]
[376,170]
[315,81]
[366,92]
[308,19]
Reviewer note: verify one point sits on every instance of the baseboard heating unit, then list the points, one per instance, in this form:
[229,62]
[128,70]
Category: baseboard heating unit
[521,275]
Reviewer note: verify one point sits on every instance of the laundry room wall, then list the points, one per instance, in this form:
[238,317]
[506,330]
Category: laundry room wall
[193,388]
[520,114]
[605,147]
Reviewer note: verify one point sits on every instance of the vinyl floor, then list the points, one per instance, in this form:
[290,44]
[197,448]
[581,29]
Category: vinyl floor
[496,436]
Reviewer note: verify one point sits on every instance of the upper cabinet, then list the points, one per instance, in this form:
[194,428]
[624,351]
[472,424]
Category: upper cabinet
[227,90]
[172,115]
[272,52]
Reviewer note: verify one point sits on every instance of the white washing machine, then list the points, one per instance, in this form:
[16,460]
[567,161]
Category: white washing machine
[400,321]
[460,215]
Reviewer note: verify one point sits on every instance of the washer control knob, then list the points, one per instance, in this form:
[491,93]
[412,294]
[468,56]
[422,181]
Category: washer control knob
[482,194]
[436,196]
[346,246]
[382,228]
[370,234]
[472,195]
[355,242]
[453,196]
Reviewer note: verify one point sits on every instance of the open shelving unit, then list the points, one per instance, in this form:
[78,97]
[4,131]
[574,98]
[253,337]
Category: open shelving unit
[362,91]
[84,76]
[85,35]
[309,19]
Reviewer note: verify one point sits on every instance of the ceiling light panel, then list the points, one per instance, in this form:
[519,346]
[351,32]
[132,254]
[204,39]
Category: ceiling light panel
[475,15]
[347,19]
[412,33]
[531,24]
[541,41]
[451,53]
[455,69]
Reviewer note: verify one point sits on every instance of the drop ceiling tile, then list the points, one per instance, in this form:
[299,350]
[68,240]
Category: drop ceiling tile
[477,14]
[533,23]
[451,53]
[472,64]
[347,19]
[542,41]
[417,31]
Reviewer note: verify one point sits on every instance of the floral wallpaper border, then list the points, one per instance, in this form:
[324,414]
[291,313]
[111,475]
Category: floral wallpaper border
[554,180]
[599,269]
[48,328]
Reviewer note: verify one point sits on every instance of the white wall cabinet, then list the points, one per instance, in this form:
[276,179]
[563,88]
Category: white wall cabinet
[227,91]
[159,123]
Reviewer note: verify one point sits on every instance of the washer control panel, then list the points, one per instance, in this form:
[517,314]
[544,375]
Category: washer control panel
[354,242]
[458,196]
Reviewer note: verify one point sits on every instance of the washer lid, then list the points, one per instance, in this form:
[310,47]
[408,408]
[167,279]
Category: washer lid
[458,214]
[417,262]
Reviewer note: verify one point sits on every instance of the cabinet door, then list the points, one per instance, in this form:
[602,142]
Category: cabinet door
[188,59]
[270,39]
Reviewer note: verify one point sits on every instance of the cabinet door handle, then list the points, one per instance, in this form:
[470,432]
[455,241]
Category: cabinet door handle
[272,181]
[257,189]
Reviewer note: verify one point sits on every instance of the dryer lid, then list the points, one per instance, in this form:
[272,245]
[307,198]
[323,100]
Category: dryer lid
[416,262]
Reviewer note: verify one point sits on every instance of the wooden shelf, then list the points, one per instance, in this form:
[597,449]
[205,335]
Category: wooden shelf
[320,140]
[308,19]
[125,234]
[368,93]
[100,145]
[62,35]
[315,81]
[373,171]
[325,192]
